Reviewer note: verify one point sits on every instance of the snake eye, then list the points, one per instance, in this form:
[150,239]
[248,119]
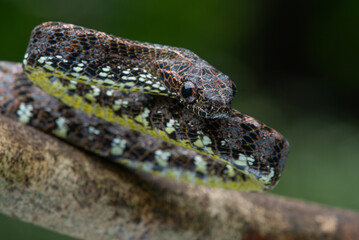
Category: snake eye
[188,91]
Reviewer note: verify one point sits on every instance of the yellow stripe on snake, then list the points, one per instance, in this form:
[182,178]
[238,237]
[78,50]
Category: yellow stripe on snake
[166,92]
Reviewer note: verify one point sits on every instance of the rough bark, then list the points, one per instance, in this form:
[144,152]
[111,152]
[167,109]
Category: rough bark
[49,183]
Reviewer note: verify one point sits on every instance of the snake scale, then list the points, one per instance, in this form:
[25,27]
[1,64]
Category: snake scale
[159,109]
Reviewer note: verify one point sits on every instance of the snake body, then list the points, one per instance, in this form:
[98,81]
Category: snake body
[236,151]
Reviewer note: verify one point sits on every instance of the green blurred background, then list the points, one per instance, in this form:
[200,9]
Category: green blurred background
[295,64]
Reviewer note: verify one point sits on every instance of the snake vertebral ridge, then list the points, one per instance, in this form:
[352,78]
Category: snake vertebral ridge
[166,92]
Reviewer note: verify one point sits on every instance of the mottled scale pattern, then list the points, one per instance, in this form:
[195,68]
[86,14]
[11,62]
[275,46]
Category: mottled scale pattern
[24,102]
[231,149]
[92,57]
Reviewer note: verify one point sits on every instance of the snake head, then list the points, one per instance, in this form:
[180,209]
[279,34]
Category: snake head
[199,86]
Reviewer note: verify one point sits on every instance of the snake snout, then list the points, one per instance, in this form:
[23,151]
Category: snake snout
[218,101]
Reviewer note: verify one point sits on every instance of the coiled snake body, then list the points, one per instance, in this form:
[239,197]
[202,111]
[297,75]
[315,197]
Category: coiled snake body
[188,105]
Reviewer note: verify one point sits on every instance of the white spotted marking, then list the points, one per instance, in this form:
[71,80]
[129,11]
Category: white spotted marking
[199,133]
[58,56]
[24,61]
[199,141]
[230,171]
[109,82]
[240,163]
[62,128]
[130,84]
[25,112]
[249,159]
[142,117]
[135,69]
[80,64]
[118,145]
[206,140]
[203,142]
[109,93]
[77,69]
[161,157]
[244,160]
[170,126]
[201,166]
[42,59]
[48,66]
[96,90]
[93,130]
[208,150]
[127,71]
[268,178]
[76,75]
[74,82]
[132,78]
[121,102]
[106,69]
[124,77]
[103,74]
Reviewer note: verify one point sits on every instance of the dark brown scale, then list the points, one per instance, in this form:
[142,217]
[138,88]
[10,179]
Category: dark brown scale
[64,65]
[49,50]
[248,139]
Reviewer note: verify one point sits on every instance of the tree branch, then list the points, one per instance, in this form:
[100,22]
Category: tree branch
[49,183]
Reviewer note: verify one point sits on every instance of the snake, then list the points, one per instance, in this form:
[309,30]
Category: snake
[150,107]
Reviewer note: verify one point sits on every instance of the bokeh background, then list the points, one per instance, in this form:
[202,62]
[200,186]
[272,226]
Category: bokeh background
[295,64]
